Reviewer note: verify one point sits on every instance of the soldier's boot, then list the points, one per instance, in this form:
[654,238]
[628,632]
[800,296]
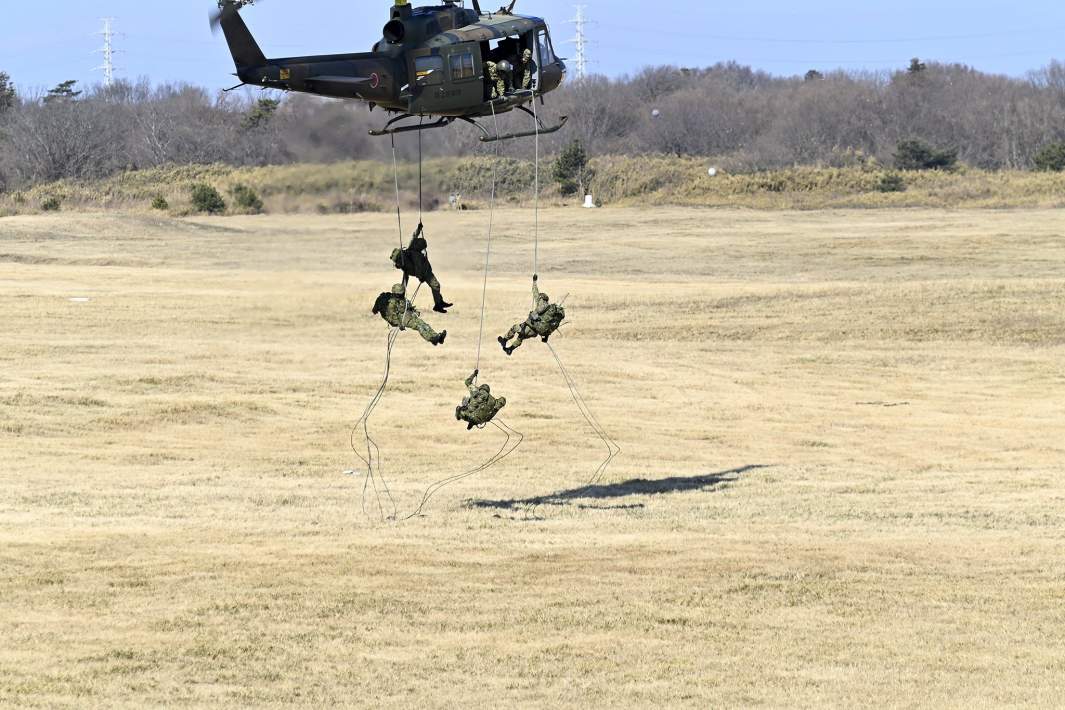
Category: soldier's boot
[439,304]
[503,342]
[458,413]
[439,340]
[469,425]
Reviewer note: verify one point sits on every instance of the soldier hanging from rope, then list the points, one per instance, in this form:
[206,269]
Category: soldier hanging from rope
[400,313]
[543,321]
[414,261]
[479,407]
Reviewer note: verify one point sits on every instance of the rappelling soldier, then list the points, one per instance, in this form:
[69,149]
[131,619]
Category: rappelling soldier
[400,313]
[496,87]
[544,319]
[479,407]
[414,261]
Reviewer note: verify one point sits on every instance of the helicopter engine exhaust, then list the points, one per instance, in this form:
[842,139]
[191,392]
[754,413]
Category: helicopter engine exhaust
[395,31]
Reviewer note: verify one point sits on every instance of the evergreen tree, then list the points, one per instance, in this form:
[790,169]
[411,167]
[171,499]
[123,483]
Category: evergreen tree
[7,92]
[917,155]
[571,169]
[1051,158]
[260,114]
[63,92]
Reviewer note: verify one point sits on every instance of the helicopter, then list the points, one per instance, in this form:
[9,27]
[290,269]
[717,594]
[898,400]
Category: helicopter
[430,62]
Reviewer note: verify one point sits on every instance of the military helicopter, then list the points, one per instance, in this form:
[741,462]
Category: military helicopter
[431,62]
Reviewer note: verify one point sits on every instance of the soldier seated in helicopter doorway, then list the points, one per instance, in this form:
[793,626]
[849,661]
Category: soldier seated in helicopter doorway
[398,312]
[414,261]
[543,321]
[479,407]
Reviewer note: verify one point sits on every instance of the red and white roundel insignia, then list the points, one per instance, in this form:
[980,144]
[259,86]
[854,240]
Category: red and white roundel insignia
[375,80]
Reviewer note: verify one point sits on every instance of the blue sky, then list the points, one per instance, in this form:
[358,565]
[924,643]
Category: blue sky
[44,43]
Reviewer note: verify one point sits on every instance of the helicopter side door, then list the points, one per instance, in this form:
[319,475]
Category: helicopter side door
[447,80]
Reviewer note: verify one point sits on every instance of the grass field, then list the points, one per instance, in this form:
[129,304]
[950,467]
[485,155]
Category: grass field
[842,481]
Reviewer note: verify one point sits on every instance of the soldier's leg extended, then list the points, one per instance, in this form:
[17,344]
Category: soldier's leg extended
[524,333]
[504,339]
[439,304]
[423,328]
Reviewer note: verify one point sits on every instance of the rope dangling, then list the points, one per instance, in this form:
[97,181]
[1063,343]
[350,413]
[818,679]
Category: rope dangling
[508,447]
[536,193]
[488,248]
[612,448]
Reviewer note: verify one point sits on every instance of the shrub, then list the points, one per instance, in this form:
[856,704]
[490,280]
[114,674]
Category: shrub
[246,199]
[160,203]
[206,199]
[917,155]
[891,183]
[571,170]
[1051,158]
[50,204]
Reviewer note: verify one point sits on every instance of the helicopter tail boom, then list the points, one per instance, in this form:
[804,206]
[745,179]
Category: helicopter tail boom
[242,44]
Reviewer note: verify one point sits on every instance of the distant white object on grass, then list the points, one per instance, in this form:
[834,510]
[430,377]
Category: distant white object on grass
[80,299]
[589,203]
[656,113]
[712,172]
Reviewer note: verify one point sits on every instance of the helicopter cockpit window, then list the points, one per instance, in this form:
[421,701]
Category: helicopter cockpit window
[429,70]
[462,66]
[547,52]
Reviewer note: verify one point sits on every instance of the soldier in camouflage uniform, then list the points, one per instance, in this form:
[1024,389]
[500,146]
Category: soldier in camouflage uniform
[542,322]
[495,81]
[527,68]
[398,312]
[414,261]
[480,407]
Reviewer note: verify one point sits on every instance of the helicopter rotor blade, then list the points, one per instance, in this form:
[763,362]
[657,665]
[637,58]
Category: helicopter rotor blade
[477,8]
[224,6]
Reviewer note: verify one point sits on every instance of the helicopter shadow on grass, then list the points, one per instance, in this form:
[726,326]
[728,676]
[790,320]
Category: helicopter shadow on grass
[623,489]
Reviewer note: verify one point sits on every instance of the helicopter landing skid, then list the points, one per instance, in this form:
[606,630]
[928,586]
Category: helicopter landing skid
[389,130]
[543,130]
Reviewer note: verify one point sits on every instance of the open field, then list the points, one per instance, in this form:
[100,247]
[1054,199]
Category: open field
[843,481]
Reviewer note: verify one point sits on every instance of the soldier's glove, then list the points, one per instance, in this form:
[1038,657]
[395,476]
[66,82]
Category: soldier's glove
[476,372]
[536,278]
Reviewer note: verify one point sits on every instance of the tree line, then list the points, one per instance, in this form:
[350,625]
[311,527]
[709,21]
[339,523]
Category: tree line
[743,119]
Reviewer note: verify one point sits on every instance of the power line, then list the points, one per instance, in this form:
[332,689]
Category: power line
[108,50]
[581,42]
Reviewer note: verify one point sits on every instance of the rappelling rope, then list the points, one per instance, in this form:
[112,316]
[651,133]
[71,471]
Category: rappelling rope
[507,448]
[395,175]
[613,450]
[504,451]
[536,192]
[373,451]
[375,473]
[488,248]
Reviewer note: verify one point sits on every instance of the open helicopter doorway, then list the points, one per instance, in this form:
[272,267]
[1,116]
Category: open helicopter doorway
[507,54]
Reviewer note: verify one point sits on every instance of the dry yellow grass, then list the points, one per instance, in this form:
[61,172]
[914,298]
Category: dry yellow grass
[842,482]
